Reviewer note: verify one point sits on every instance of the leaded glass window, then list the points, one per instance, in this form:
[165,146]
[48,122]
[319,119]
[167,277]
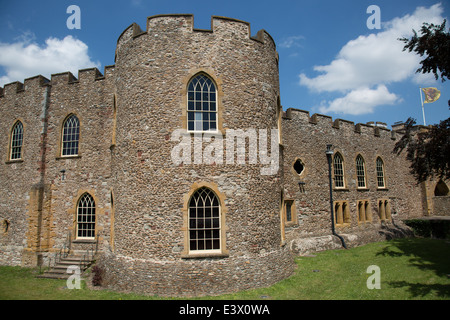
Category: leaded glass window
[70,136]
[86,217]
[380,173]
[204,221]
[202,104]
[360,172]
[338,166]
[17,141]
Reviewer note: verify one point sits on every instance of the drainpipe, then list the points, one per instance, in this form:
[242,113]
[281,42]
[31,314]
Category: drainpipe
[329,153]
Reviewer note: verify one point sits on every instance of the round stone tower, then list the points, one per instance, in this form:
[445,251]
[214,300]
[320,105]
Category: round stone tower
[197,194]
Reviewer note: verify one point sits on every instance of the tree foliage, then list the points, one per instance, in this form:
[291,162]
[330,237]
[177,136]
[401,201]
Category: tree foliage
[428,149]
[434,44]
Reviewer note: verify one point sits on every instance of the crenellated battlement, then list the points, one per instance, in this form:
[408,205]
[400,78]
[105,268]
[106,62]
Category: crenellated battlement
[377,129]
[184,23]
[18,87]
[89,75]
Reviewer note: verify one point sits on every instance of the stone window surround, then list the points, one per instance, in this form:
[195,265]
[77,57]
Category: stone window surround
[344,187]
[184,99]
[364,211]
[384,209]
[8,159]
[202,84]
[385,187]
[341,216]
[73,211]
[364,171]
[294,219]
[60,138]
[186,253]
[89,211]
[15,138]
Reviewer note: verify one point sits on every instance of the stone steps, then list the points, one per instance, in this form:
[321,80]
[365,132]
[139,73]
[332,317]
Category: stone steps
[59,271]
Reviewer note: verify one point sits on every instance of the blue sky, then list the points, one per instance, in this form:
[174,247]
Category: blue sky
[330,61]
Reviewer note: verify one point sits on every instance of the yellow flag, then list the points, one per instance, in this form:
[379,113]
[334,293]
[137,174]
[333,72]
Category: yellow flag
[431,94]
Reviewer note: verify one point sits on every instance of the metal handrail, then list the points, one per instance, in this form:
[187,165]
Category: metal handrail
[89,255]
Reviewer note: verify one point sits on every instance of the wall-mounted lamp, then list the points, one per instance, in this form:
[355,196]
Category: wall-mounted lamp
[63,174]
[301,185]
[329,150]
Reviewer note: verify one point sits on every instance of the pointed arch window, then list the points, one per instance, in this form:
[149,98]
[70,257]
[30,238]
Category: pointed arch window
[381,183]
[86,217]
[201,104]
[441,189]
[204,221]
[338,168]
[16,141]
[70,136]
[360,171]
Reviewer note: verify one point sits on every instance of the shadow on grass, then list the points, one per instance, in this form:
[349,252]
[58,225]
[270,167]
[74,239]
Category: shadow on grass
[429,255]
[422,290]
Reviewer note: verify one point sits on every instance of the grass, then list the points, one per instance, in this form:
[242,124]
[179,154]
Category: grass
[410,269]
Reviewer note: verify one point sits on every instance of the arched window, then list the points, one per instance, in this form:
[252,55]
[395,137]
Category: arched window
[204,221]
[441,189]
[380,173]
[360,171]
[201,104]
[16,141]
[338,168]
[70,136]
[86,217]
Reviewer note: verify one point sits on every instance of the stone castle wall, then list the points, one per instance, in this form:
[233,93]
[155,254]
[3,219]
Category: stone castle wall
[128,119]
[306,137]
[154,68]
[37,201]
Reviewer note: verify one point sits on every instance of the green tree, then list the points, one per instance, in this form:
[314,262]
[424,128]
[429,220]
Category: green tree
[434,44]
[429,150]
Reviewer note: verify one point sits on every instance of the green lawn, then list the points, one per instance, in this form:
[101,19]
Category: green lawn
[409,269]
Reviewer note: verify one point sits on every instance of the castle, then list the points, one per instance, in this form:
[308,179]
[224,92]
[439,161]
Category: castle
[179,164]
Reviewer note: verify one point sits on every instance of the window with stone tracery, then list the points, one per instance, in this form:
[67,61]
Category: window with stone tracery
[380,173]
[70,136]
[16,141]
[360,171]
[338,168]
[201,104]
[204,221]
[86,217]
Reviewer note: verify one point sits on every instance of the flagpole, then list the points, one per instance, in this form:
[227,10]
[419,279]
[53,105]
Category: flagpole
[423,110]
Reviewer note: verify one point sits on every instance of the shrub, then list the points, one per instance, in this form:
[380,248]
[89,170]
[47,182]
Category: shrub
[98,275]
[430,228]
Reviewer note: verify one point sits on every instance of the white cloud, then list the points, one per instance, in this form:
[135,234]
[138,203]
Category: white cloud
[25,58]
[361,101]
[291,41]
[373,61]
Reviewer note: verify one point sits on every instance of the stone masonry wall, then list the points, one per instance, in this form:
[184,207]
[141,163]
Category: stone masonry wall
[37,204]
[152,72]
[306,137]
[128,117]
[22,209]
[90,97]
